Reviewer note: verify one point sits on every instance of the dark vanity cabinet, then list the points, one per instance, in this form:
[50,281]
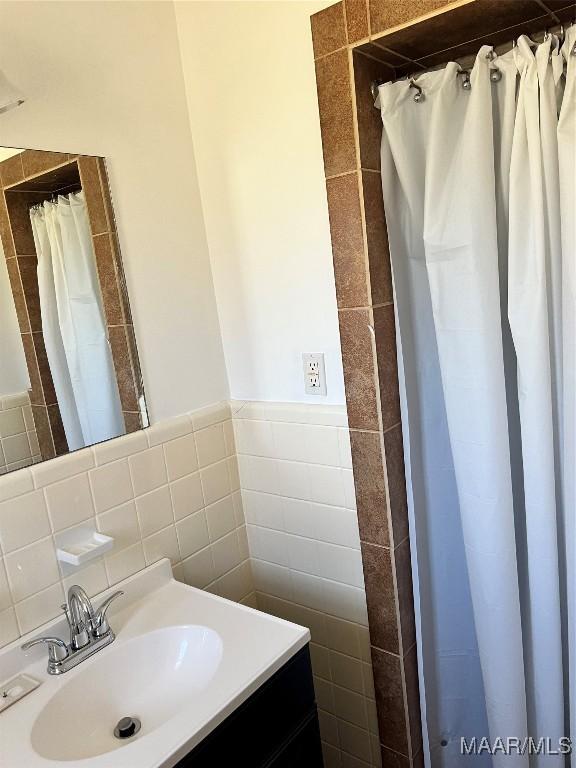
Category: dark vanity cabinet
[277,727]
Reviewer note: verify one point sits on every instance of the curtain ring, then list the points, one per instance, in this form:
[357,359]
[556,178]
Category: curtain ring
[419,95]
[466,83]
[374,85]
[495,75]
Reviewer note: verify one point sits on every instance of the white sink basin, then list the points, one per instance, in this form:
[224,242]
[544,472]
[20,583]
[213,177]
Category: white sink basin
[179,662]
[182,661]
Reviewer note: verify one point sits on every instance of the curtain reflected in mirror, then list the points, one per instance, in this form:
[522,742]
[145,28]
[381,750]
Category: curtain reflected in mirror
[69,370]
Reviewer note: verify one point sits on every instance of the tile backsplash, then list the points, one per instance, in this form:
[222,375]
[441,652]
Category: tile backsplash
[299,502]
[18,439]
[168,491]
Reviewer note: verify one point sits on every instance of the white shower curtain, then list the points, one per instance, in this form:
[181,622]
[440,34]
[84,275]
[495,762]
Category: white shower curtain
[73,323]
[479,192]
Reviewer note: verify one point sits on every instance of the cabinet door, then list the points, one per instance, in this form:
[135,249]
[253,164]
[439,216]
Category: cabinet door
[304,750]
[255,733]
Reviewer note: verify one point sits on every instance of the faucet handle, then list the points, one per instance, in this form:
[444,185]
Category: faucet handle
[100,623]
[57,649]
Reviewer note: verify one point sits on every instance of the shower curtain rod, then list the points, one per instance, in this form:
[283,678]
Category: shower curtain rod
[52,197]
[558,30]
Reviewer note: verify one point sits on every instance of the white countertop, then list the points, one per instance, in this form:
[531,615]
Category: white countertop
[250,648]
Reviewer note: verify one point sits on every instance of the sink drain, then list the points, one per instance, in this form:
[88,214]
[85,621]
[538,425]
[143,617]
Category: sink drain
[127,727]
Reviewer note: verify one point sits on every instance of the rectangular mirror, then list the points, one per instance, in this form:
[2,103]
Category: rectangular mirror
[69,370]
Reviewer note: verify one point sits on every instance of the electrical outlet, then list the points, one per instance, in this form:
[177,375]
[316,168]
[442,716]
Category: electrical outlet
[314,381]
[314,373]
[312,366]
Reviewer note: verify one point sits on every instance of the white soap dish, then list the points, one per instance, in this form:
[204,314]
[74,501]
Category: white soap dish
[80,545]
[13,690]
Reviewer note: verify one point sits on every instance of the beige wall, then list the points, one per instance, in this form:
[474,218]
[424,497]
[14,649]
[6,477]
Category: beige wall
[249,74]
[106,79]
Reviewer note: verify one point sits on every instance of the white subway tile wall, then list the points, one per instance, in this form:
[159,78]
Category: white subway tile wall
[298,497]
[169,491]
[18,439]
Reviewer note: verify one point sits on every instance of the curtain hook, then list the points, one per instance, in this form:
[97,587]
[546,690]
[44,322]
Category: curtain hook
[419,95]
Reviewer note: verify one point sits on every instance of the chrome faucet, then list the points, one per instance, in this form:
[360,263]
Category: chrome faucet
[89,632]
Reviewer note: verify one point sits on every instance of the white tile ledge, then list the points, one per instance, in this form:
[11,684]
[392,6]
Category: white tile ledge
[297,413]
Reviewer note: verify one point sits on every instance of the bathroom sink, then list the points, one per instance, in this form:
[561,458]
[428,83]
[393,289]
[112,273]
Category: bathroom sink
[154,677]
[183,660]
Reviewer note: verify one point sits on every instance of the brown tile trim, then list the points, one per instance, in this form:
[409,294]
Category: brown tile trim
[18,295]
[121,356]
[418,760]
[391,759]
[135,360]
[36,162]
[328,30]
[365,70]
[47,382]
[376,239]
[6,230]
[11,170]
[368,345]
[369,482]
[132,421]
[18,203]
[395,473]
[57,429]
[90,180]
[108,279]
[339,50]
[36,391]
[411,683]
[339,175]
[28,269]
[381,598]
[387,14]
[336,115]
[390,701]
[106,194]
[385,333]
[43,431]
[345,214]
[122,287]
[357,24]
[403,571]
[360,375]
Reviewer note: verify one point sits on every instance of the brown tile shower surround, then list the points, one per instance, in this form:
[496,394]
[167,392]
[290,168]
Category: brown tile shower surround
[30,177]
[356,42]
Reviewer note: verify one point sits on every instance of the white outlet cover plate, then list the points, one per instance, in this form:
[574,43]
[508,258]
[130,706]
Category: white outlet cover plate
[314,369]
